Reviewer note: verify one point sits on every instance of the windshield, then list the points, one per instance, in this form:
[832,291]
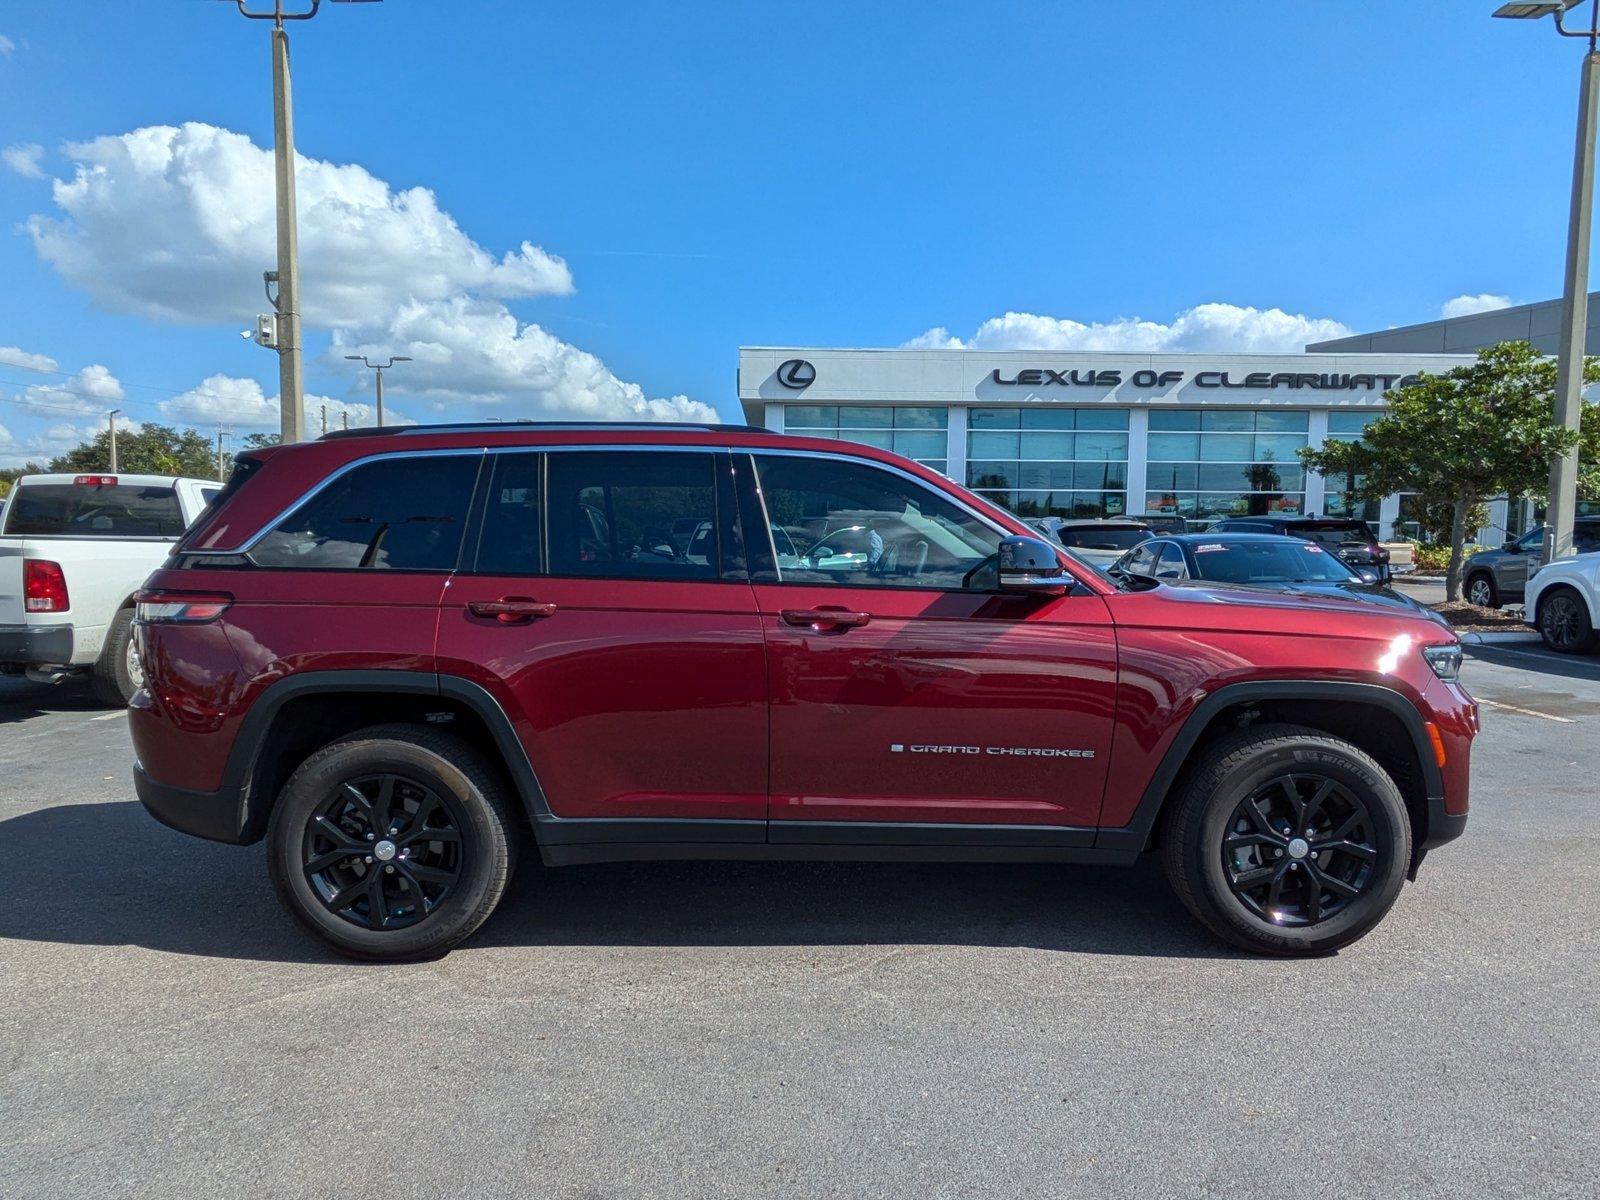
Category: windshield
[88,510]
[1286,561]
[1101,539]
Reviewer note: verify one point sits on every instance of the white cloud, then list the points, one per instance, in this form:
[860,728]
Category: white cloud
[6,46]
[1205,328]
[90,392]
[24,159]
[12,356]
[477,351]
[177,223]
[1466,305]
[230,400]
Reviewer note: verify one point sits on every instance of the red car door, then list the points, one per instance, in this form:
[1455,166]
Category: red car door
[595,610]
[904,688]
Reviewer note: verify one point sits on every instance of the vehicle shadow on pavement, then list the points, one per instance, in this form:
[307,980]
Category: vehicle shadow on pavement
[1536,660]
[107,874]
[22,699]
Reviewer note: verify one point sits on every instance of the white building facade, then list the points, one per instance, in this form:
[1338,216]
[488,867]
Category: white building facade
[1089,434]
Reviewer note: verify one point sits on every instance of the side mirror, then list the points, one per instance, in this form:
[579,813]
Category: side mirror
[1367,575]
[1030,564]
[1510,544]
[821,553]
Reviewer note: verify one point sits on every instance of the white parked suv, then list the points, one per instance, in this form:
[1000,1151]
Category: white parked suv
[1562,602]
[73,550]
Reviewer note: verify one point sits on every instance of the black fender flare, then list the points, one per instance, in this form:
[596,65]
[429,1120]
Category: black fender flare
[1135,836]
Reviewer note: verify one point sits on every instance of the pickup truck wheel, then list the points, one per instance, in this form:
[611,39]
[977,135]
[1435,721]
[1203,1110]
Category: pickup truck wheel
[394,843]
[1287,841]
[116,674]
[1564,622]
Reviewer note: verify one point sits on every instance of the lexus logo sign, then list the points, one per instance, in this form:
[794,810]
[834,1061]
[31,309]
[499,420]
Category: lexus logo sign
[797,373]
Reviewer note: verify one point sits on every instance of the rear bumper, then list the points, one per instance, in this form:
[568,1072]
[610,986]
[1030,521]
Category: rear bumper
[35,644]
[216,816]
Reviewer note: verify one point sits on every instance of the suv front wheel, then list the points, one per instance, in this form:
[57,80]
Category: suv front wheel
[1287,841]
[395,842]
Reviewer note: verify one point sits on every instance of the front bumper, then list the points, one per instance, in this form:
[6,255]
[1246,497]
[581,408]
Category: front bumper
[36,645]
[216,816]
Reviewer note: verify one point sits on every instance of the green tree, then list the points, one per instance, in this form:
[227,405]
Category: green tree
[153,450]
[1589,454]
[1477,431]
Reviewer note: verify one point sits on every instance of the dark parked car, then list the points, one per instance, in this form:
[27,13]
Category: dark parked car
[401,655]
[1097,541]
[1162,522]
[1260,560]
[1350,539]
[1496,577]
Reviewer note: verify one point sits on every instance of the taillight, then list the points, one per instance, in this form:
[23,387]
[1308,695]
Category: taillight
[179,608]
[44,587]
[95,480]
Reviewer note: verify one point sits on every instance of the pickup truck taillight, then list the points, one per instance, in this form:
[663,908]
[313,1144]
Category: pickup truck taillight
[179,608]
[44,587]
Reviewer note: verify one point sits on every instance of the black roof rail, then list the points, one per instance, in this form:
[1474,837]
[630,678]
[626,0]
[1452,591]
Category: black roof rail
[520,424]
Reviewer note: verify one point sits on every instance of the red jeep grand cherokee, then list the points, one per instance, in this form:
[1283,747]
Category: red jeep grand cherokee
[388,651]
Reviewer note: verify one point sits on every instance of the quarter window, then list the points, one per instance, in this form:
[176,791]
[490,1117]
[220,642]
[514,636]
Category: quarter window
[400,514]
[860,526]
[633,515]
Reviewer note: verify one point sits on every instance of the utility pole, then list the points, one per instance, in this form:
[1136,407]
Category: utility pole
[324,410]
[378,369]
[222,432]
[291,386]
[111,423]
[1562,504]
[344,418]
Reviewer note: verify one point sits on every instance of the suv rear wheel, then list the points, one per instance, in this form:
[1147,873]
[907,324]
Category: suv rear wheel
[1287,841]
[117,673]
[396,842]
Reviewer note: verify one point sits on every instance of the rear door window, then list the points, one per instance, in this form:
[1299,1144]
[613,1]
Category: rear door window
[94,511]
[404,513]
[635,514]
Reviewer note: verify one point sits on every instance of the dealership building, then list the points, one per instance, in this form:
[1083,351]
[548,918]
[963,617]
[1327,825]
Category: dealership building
[1091,434]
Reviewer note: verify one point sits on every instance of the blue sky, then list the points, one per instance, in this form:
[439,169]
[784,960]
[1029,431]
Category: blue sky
[690,178]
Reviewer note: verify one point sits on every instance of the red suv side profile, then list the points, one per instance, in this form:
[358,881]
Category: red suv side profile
[398,654]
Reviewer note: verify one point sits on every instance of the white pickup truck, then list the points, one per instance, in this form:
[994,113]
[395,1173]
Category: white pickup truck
[73,550]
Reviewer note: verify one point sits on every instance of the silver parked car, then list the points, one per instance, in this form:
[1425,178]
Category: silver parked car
[1496,577]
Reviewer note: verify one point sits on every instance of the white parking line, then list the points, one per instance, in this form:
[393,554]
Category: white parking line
[1527,712]
[121,712]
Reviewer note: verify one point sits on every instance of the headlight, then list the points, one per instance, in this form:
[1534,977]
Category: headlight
[1445,660]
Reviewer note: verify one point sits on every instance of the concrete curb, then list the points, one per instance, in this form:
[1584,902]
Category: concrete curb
[1505,638]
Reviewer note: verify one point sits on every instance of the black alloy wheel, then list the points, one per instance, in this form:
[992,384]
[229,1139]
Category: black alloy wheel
[1564,622]
[1299,849]
[383,851]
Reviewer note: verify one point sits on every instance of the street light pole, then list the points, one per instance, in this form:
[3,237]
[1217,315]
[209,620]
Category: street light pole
[291,383]
[1562,504]
[111,424]
[378,369]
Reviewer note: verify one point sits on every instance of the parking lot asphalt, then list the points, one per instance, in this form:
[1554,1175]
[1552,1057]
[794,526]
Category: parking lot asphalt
[724,1029]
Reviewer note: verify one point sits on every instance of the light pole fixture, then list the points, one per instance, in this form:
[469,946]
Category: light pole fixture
[285,333]
[1562,504]
[378,369]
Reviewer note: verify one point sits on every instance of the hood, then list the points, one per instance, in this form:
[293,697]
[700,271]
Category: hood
[1353,598]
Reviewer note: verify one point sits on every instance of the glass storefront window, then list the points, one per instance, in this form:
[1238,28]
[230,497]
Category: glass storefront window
[1339,498]
[1041,462]
[918,433]
[1226,462]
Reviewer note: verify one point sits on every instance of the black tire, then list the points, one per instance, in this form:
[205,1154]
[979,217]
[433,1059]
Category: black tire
[1484,582]
[1205,813]
[472,803]
[1564,622]
[112,679]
